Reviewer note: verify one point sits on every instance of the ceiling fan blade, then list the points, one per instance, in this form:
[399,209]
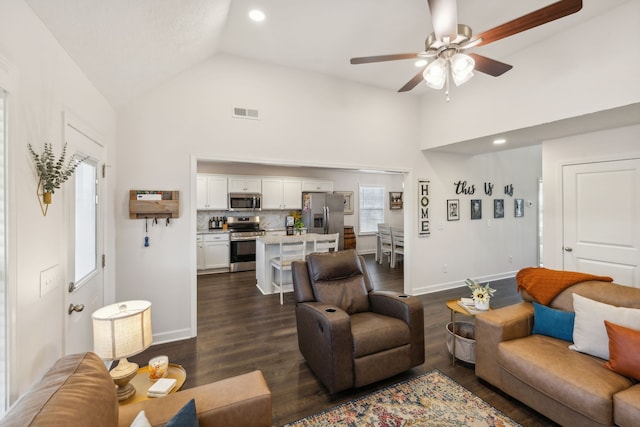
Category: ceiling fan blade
[444,18]
[413,82]
[382,58]
[489,66]
[539,17]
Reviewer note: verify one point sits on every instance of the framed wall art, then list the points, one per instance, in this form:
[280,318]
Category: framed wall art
[476,209]
[498,208]
[453,210]
[518,208]
[395,200]
[348,201]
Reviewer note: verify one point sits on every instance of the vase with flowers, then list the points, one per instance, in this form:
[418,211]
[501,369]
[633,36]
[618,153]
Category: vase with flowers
[481,294]
[298,225]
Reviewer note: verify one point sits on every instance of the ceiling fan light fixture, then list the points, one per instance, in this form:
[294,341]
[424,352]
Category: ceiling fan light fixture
[462,68]
[420,63]
[435,75]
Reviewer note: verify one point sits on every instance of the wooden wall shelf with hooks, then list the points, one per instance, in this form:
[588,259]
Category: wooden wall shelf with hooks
[165,204]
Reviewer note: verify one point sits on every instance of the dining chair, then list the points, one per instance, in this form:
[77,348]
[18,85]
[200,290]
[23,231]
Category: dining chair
[289,252]
[397,242]
[386,243]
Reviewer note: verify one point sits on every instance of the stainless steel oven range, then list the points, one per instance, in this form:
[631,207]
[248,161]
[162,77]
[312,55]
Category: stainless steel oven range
[243,232]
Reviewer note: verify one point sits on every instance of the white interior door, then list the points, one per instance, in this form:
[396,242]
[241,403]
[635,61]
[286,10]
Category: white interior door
[601,219]
[85,291]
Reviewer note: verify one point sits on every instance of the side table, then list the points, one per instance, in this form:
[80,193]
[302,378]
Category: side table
[457,308]
[141,382]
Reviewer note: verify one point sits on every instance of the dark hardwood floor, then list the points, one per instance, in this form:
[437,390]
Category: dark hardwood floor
[240,330]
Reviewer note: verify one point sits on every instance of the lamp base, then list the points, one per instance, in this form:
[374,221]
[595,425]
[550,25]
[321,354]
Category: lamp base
[121,375]
[125,392]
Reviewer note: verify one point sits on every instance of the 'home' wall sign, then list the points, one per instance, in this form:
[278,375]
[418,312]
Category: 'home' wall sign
[423,208]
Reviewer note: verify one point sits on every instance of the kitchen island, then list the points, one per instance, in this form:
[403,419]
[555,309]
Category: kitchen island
[268,247]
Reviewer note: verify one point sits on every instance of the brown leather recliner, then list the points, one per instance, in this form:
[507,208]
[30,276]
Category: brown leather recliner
[350,334]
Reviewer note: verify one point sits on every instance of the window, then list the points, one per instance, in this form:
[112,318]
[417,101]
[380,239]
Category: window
[86,220]
[371,208]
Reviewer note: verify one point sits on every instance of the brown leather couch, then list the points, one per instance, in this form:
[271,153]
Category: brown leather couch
[569,387]
[78,391]
[350,334]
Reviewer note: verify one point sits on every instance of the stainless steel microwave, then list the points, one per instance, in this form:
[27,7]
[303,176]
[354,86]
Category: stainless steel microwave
[245,201]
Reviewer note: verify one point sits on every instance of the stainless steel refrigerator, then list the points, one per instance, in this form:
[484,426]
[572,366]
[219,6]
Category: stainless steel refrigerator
[323,213]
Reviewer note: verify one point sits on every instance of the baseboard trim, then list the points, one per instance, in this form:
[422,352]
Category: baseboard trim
[177,335]
[437,287]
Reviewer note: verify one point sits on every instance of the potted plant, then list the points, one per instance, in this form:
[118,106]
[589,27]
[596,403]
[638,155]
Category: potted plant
[481,294]
[52,172]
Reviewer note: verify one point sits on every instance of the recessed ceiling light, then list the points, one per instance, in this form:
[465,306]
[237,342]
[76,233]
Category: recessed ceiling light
[420,63]
[257,15]
[499,141]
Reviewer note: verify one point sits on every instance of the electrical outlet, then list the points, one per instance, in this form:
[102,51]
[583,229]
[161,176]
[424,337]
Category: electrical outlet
[510,259]
[49,279]
[444,268]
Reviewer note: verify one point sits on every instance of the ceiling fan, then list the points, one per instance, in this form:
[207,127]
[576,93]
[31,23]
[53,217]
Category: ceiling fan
[449,39]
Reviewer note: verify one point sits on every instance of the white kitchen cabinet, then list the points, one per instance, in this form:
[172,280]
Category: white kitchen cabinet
[320,185]
[211,192]
[281,193]
[200,251]
[244,184]
[216,250]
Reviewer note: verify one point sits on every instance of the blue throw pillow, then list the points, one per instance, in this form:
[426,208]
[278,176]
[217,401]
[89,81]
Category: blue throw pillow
[186,417]
[552,322]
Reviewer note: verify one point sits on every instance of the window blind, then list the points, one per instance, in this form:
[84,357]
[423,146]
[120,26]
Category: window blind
[371,211]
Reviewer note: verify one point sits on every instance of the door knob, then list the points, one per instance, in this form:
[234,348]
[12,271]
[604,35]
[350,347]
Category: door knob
[568,248]
[77,307]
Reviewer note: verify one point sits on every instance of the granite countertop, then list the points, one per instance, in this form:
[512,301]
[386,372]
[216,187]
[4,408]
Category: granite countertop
[271,240]
[212,231]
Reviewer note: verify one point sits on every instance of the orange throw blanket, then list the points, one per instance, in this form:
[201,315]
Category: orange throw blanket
[544,284]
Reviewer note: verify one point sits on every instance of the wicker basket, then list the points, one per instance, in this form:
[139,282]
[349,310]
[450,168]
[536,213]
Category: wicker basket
[465,341]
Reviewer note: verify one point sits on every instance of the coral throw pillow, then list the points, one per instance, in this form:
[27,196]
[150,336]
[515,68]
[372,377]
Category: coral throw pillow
[624,347]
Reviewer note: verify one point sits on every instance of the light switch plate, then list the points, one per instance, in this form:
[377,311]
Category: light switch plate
[49,279]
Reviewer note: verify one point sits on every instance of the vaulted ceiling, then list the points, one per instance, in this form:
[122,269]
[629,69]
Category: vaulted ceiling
[127,47]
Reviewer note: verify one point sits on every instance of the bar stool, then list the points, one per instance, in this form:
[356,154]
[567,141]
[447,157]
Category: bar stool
[326,242]
[289,252]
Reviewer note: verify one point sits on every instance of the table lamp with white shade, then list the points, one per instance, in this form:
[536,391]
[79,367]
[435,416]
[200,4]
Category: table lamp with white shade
[122,330]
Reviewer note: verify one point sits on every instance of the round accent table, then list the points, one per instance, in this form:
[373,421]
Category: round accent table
[455,307]
[142,382]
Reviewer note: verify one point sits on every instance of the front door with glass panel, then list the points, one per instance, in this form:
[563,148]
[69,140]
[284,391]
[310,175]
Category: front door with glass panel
[85,276]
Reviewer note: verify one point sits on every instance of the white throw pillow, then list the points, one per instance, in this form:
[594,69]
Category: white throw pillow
[589,333]
[141,420]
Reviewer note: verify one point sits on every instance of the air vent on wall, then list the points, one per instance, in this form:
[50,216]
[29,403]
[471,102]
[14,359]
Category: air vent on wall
[246,113]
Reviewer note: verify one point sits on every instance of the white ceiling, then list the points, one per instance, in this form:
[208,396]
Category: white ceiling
[127,47]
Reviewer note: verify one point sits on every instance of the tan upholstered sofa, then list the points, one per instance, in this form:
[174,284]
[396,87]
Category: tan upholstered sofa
[569,387]
[78,391]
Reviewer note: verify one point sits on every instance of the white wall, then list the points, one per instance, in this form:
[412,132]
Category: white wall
[587,68]
[613,144]
[307,120]
[478,249]
[48,83]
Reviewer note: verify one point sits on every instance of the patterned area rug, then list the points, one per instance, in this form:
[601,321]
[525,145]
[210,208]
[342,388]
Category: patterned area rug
[432,399]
